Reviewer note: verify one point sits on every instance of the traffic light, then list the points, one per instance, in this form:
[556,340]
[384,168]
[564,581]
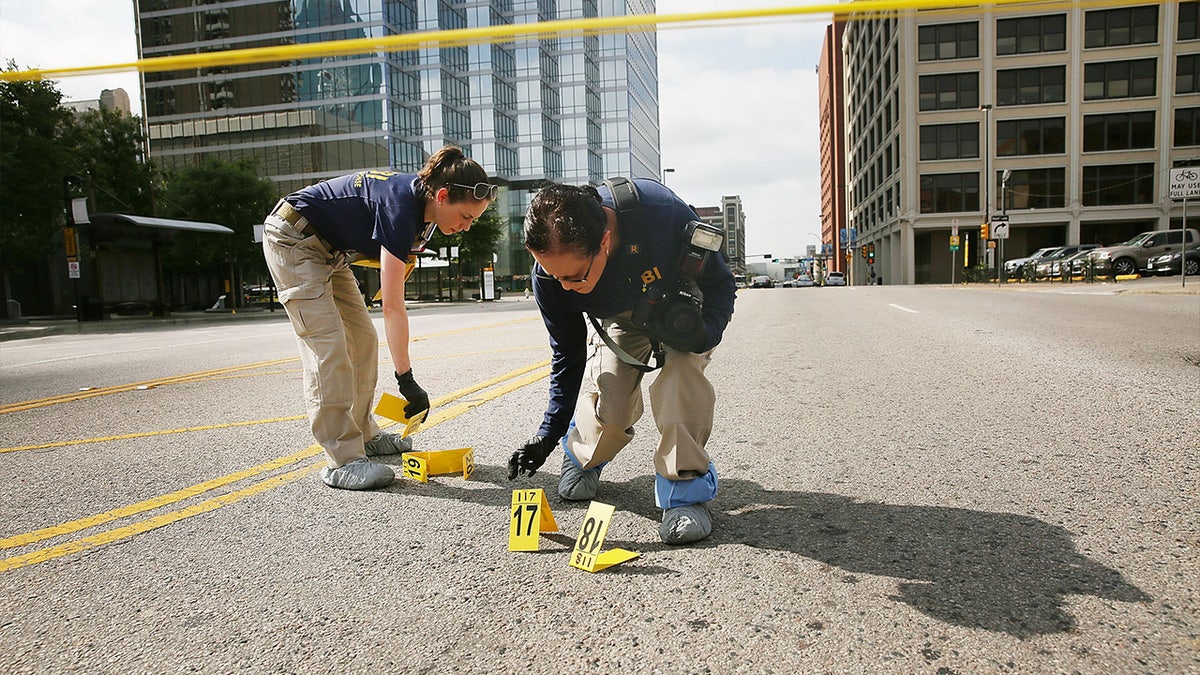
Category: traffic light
[864,250]
[983,231]
[871,254]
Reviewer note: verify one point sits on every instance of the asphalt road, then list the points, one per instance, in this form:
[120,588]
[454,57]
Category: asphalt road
[913,479]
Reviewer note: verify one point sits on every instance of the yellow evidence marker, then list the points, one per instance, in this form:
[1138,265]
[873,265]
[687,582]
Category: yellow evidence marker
[587,555]
[422,465]
[531,516]
[392,407]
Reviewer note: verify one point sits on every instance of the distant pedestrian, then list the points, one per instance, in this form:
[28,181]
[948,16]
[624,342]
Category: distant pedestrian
[310,239]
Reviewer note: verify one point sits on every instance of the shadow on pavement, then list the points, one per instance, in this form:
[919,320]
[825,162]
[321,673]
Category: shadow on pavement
[1001,572]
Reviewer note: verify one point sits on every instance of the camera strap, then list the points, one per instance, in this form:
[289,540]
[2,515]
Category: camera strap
[629,220]
[625,356]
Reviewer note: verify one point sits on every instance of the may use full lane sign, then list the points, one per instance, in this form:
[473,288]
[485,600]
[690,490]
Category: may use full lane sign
[1185,183]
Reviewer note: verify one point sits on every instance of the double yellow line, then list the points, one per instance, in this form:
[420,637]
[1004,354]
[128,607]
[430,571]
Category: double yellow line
[216,373]
[133,386]
[495,388]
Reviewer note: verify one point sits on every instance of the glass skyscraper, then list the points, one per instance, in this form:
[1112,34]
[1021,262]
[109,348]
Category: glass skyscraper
[572,108]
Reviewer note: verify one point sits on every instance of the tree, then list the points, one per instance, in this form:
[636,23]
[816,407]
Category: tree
[33,163]
[108,146]
[477,245]
[227,193]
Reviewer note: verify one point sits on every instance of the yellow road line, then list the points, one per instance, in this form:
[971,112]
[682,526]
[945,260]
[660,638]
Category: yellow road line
[208,374]
[535,371]
[228,425]
[133,529]
[120,388]
[156,502]
[70,547]
[147,434]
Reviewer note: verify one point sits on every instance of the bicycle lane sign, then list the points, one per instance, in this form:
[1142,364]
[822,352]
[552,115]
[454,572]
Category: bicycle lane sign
[1185,183]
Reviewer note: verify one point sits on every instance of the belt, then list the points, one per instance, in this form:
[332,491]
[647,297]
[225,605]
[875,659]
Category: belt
[294,218]
[288,213]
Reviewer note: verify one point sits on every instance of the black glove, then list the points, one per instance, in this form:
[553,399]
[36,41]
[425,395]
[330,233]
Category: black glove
[530,457]
[418,400]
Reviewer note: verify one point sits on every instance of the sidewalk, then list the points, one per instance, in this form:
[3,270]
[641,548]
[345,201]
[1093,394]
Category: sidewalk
[32,327]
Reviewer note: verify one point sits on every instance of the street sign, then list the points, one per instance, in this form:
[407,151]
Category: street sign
[999,227]
[73,269]
[1185,183]
[954,227]
[954,242]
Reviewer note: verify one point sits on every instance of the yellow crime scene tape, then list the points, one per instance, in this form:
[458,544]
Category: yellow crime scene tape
[536,30]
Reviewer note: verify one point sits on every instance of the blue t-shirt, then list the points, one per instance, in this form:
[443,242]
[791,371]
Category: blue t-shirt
[365,211]
[664,221]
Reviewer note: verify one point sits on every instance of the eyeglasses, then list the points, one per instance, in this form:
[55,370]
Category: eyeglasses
[581,280]
[481,190]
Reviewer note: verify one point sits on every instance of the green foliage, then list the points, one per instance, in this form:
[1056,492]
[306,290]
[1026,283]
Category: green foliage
[227,193]
[33,163]
[107,145]
[476,246]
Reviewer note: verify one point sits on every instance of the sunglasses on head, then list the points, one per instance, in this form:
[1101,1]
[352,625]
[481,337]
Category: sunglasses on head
[480,190]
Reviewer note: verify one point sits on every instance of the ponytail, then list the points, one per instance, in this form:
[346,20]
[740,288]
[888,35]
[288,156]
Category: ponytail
[450,168]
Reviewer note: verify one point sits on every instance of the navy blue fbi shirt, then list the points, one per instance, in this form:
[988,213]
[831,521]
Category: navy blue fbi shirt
[365,211]
[664,219]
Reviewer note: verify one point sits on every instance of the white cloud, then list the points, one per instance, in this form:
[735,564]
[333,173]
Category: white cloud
[739,116]
[68,34]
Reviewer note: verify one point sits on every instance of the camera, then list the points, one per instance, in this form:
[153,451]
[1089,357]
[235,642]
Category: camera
[671,309]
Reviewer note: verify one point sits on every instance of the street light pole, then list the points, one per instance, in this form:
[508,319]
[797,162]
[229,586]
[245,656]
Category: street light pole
[1003,210]
[986,109]
[664,175]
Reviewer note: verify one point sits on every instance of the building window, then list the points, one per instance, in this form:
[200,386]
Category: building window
[1187,20]
[1031,137]
[1119,79]
[948,41]
[949,192]
[949,141]
[1118,131]
[1109,184]
[1187,127]
[1025,86]
[1031,34]
[1187,74]
[1124,26]
[1033,189]
[949,91]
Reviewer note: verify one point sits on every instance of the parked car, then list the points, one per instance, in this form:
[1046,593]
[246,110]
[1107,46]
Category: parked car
[1075,265]
[1168,263]
[762,281]
[835,279]
[1051,264]
[1135,254]
[1012,268]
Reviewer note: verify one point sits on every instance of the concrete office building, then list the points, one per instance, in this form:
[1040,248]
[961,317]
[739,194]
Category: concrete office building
[1084,110]
[831,104]
[570,109]
[732,220]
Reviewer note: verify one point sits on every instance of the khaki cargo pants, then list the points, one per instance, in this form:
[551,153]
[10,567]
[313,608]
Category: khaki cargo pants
[682,401]
[339,347]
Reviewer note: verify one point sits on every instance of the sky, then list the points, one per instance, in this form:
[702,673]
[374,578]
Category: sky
[738,106]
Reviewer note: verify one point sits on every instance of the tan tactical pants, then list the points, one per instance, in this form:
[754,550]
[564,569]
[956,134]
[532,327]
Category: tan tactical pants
[681,399]
[339,347]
